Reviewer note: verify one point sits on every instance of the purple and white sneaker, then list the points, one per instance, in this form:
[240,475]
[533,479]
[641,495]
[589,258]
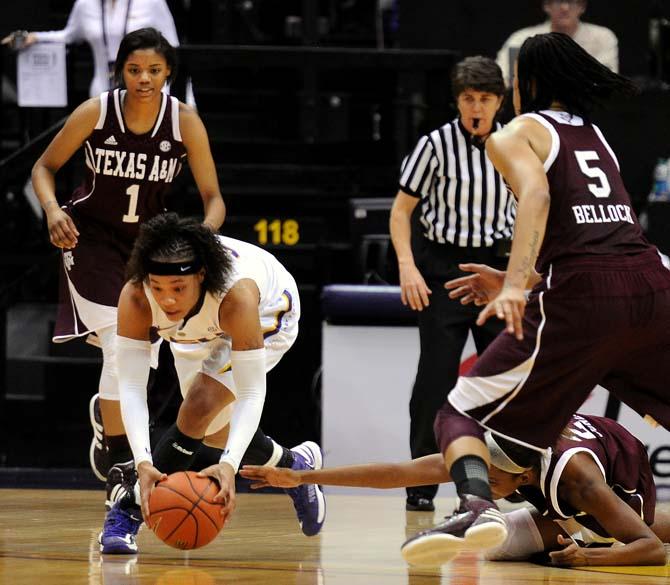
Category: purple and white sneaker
[308,500]
[122,523]
[476,525]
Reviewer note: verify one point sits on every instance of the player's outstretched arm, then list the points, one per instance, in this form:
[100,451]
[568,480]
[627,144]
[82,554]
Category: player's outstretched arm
[583,486]
[661,526]
[423,471]
[281,477]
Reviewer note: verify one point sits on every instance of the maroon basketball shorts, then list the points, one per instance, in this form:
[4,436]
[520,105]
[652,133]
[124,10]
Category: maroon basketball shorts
[91,279]
[575,337]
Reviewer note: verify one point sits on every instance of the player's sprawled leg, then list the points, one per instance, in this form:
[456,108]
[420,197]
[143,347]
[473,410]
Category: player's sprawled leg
[477,523]
[527,535]
[308,500]
[210,393]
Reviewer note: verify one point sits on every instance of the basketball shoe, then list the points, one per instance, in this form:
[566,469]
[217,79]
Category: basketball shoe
[122,523]
[476,525]
[308,500]
[121,479]
[415,503]
[97,453]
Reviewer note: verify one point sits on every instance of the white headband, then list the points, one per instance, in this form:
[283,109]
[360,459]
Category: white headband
[499,458]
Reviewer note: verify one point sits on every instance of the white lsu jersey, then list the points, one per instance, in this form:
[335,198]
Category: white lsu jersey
[278,307]
[199,345]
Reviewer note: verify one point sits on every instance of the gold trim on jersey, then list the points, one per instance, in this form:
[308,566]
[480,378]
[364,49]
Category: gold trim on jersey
[279,315]
[226,368]
[199,340]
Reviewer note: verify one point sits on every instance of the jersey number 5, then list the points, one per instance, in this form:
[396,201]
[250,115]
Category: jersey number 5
[133,192]
[601,188]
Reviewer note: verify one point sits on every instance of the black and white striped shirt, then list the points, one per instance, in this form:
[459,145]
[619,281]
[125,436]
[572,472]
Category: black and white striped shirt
[464,200]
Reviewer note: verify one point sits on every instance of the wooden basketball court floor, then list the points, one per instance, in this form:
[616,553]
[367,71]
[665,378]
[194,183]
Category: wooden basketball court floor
[50,537]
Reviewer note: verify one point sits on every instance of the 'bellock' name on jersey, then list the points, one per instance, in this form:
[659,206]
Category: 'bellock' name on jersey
[602,213]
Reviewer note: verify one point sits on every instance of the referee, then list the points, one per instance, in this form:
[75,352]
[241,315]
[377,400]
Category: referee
[465,215]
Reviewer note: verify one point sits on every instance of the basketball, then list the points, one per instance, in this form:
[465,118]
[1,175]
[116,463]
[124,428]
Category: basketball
[182,510]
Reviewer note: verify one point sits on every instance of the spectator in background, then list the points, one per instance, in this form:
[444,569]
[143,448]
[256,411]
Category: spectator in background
[102,24]
[564,17]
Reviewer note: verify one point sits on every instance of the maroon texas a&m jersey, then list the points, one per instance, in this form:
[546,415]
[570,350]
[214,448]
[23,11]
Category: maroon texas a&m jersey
[590,213]
[128,174]
[621,458]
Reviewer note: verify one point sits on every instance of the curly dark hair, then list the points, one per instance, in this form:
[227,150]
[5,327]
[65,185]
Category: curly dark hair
[170,238]
[553,67]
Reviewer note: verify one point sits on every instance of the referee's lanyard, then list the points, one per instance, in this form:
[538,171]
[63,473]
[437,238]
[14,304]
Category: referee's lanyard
[111,60]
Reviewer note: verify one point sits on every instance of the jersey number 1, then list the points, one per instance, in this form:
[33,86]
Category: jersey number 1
[601,188]
[133,192]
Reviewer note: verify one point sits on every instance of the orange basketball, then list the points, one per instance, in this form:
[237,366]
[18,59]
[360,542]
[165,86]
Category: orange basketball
[182,510]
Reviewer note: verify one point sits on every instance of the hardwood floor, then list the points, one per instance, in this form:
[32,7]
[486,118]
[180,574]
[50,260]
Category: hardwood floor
[50,537]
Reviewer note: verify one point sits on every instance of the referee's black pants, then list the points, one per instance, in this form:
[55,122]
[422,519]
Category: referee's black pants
[443,332]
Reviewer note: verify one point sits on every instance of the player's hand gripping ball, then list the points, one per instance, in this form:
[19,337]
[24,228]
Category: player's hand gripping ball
[182,510]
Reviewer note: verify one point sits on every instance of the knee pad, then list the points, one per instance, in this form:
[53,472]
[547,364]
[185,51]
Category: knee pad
[523,538]
[451,425]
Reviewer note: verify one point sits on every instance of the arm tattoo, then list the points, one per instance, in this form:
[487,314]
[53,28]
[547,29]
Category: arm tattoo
[528,261]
